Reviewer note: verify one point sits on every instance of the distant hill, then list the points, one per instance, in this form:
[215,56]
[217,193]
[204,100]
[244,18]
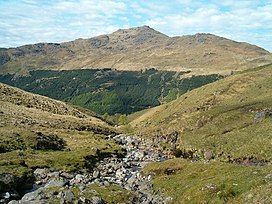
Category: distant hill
[230,118]
[135,49]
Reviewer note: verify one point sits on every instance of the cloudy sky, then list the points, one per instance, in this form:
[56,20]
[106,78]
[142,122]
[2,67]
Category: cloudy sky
[31,21]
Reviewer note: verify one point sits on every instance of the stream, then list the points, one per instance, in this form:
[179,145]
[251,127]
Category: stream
[124,172]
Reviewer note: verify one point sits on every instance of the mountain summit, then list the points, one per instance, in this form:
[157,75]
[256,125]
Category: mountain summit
[135,49]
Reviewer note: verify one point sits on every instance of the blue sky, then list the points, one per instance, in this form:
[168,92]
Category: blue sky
[31,21]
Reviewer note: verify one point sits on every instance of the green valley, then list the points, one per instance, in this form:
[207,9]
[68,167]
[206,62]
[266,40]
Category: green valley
[108,90]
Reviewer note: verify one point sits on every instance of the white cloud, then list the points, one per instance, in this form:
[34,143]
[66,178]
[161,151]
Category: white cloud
[30,21]
[248,24]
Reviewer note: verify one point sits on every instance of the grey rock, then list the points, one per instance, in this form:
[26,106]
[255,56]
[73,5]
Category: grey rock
[66,175]
[168,199]
[69,196]
[55,183]
[79,177]
[96,174]
[5,195]
[97,200]
[106,183]
[259,116]
[14,202]
[55,174]
[208,154]
[209,186]
[35,195]
[268,178]
[83,200]
[41,173]
[139,155]
[82,188]
[132,180]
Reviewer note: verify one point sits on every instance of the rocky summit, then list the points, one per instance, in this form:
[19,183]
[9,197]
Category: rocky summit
[136,49]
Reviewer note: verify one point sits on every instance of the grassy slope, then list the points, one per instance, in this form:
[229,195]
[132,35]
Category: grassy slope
[219,117]
[190,181]
[24,116]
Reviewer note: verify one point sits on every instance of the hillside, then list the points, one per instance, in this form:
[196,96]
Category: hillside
[23,109]
[39,132]
[230,118]
[222,132]
[107,90]
[135,49]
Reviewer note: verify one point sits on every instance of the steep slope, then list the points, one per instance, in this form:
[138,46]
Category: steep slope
[38,132]
[135,49]
[230,118]
[222,131]
[23,109]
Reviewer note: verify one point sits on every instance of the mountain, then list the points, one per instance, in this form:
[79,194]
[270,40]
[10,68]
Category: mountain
[135,49]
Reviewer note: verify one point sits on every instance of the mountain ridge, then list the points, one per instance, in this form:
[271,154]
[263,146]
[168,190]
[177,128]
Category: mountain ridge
[135,49]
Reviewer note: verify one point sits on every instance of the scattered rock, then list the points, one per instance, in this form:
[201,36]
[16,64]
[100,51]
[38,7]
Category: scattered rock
[41,173]
[208,187]
[268,178]
[55,183]
[66,175]
[111,170]
[5,195]
[96,174]
[97,200]
[259,116]
[35,195]
[14,202]
[208,155]
[69,196]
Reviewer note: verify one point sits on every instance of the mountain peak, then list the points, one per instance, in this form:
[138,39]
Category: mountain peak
[141,30]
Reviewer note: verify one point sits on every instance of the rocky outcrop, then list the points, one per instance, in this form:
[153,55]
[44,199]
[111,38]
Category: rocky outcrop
[4,57]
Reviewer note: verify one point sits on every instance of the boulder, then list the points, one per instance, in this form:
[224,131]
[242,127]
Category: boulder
[56,183]
[96,174]
[35,195]
[13,202]
[97,200]
[69,196]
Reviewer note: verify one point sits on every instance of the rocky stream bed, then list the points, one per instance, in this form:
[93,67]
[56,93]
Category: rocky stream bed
[51,185]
